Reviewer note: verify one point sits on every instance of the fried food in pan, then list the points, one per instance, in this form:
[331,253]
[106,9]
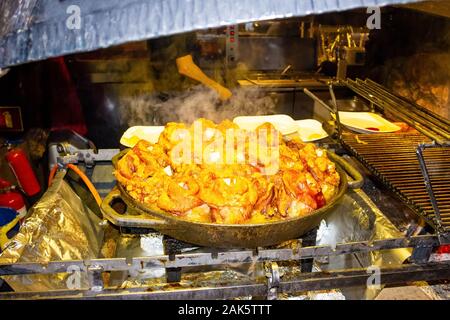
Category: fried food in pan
[226,181]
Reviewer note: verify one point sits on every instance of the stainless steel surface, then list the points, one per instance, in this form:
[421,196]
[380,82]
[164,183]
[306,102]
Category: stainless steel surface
[319,101]
[333,109]
[353,104]
[35,30]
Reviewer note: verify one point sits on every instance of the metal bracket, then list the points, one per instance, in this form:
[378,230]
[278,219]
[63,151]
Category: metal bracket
[421,253]
[332,109]
[88,156]
[444,238]
[273,281]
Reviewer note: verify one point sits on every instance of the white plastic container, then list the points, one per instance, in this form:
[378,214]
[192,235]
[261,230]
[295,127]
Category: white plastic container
[134,134]
[310,130]
[283,123]
[366,122]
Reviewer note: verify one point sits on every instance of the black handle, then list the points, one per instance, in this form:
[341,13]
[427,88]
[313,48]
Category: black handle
[358,179]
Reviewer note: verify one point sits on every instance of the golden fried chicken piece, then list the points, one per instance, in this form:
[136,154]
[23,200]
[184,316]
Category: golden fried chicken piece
[266,191]
[200,214]
[173,134]
[231,191]
[180,196]
[230,215]
[152,155]
[131,167]
[322,169]
[226,125]
[231,198]
[206,129]
[268,134]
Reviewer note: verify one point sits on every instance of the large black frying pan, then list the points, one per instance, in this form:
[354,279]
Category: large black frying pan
[224,235]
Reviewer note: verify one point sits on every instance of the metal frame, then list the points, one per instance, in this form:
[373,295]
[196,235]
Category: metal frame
[423,167]
[270,289]
[425,121]
[418,269]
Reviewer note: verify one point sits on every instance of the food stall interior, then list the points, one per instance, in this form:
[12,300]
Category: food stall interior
[369,84]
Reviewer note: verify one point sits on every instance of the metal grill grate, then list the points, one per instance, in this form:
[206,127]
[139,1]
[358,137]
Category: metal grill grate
[393,159]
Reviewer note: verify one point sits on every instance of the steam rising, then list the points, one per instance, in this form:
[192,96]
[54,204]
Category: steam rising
[198,102]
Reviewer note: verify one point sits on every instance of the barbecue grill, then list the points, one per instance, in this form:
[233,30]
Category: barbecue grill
[117,254]
[393,159]
[401,161]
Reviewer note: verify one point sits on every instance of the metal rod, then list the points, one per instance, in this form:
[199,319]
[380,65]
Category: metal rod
[226,257]
[419,107]
[311,281]
[428,185]
[408,109]
[382,104]
[318,100]
[414,113]
[335,106]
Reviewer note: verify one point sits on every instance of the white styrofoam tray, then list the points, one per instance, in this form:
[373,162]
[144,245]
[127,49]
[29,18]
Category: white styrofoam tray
[366,122]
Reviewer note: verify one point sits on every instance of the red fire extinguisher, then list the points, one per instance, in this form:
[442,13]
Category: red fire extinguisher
[19,164]
[10,198]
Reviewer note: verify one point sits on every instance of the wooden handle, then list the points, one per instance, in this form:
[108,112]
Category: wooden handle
[188,68]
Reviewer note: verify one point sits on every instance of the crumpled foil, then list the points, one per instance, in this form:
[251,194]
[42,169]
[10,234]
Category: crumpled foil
[59,227]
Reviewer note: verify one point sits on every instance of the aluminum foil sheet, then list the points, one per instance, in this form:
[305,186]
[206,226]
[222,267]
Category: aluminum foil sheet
[60,227]
[34,30]
[358,219]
